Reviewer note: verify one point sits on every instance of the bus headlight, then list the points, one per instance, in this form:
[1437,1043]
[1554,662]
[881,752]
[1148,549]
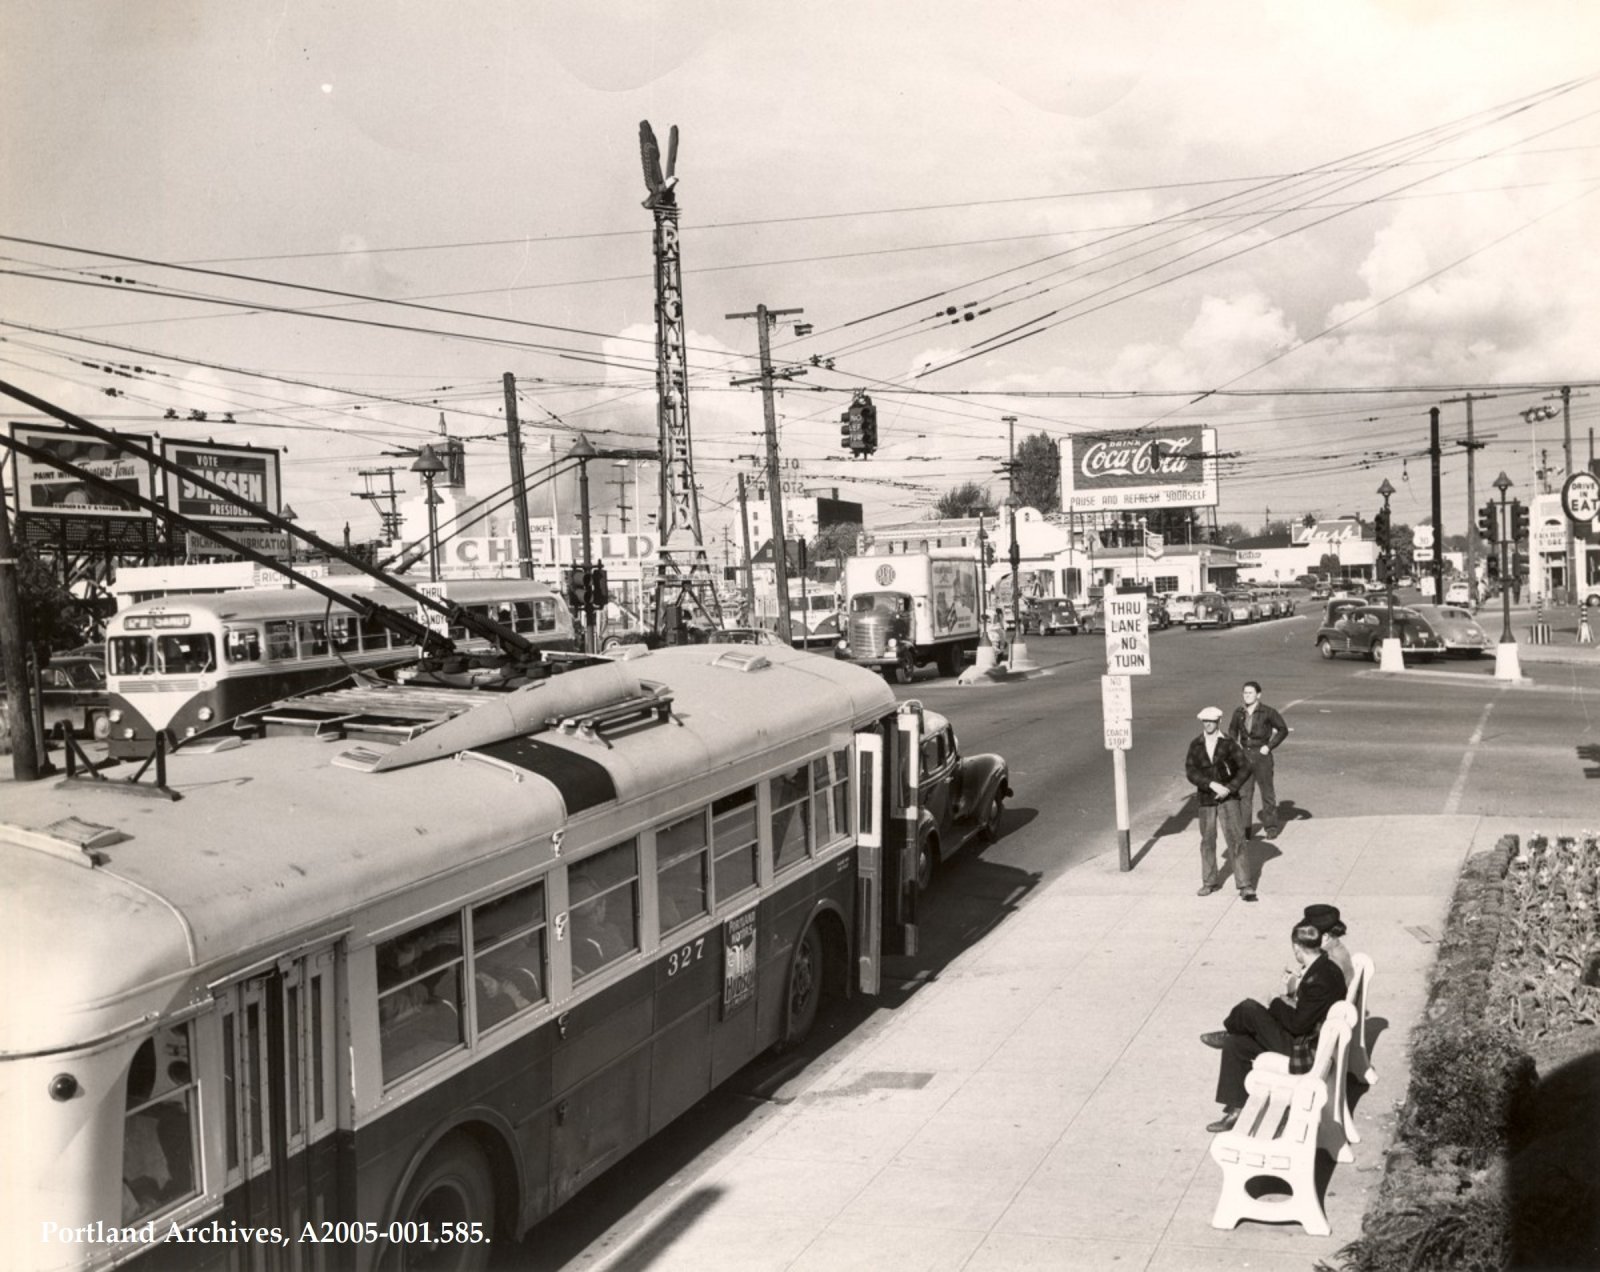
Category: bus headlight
[892,645]
[205,714]
[115,715]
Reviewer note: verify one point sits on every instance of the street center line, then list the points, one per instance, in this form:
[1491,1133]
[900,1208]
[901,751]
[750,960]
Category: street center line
[1460,788]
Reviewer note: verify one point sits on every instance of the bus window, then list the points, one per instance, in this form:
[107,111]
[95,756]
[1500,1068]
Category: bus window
[280,639]
[734,843]
[241,644]
[374,635]
[132,656]
[830,803]
[186,655]
[342,633]
[508,955]
[683,852]
[158,1157]
[791,817]
[419,996]
[313,635]
[603,908]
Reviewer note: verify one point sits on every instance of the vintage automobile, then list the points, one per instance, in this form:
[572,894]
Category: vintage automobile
[1211,609]
[1458,593]
[1267,602]
[961,797]
[1056,615]
[1245,607]
[1457,628]
[1362,629]
[1180,605]
[72,688]
[745,636]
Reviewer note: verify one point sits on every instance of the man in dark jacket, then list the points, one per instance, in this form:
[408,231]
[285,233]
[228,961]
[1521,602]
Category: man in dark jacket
[1259,731]
[1289,1026]
[1218,768]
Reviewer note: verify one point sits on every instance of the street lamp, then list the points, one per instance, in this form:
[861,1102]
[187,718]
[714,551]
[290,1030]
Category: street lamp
[1393,659]
[1506,666]
[430,466]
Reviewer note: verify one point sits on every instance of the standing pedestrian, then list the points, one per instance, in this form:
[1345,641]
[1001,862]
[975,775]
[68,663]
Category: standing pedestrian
[1259,731]
[1218,768]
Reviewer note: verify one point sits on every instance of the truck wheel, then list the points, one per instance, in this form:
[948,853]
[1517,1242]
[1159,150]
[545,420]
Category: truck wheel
[950,660]
[905,670]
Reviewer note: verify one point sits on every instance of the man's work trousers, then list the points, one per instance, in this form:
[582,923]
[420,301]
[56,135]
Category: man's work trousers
[1229,814]
[1260,778]
[1251,1030]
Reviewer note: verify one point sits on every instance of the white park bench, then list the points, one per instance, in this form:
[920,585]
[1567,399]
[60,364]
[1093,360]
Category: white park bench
[1285,1120]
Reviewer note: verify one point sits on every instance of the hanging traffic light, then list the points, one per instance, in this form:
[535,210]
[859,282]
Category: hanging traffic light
[850,430]
[1488,524]
[869,424]
[599,586]
[1519,521]
[1380,530]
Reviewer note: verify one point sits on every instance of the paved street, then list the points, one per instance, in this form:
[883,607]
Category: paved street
[1041,1047]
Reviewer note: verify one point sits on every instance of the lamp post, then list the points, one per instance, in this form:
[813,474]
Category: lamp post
[1018,660]
[583,452]
[430,466]
[1506,663]
[984,660]
[1392,658]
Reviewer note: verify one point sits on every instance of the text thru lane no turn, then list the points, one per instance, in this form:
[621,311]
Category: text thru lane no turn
[1127,634]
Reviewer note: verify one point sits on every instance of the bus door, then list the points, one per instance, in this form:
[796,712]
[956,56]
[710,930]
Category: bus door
[900,832]
[279,1043]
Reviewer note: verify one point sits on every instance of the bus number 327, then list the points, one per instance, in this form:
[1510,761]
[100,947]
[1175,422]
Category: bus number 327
[681,958]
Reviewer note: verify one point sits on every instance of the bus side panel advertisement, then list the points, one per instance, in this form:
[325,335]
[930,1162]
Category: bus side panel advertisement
[738,962]
[44,489]
[250,473]
[1139,468]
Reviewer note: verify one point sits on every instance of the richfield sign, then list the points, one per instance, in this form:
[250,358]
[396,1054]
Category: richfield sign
[1144,468]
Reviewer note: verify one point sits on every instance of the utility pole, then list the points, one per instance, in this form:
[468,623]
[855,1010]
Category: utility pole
[749,571]
[1438,521]
[583,451]
[1472,496]
[1570,560]
[25,766]
[621,483]
[389,518]
[519,480]
[765,318]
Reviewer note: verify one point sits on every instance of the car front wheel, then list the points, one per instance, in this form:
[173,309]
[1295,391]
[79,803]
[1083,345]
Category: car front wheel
[1325,647]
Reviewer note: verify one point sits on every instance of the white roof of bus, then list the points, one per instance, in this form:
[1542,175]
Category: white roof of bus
[272,839]
[286,602]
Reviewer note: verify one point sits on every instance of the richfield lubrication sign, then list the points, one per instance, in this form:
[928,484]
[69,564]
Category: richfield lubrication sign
[1139,468]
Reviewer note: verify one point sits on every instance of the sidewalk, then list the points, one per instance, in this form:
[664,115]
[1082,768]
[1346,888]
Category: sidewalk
[1042,1103]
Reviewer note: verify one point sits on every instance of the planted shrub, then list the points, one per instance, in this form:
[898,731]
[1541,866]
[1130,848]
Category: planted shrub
[1466,1080]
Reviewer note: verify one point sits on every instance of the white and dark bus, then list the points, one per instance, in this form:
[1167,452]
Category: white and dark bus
[179,664]
[401,970]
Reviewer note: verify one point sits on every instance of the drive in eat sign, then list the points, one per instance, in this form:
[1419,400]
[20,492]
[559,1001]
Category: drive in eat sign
[1580,497]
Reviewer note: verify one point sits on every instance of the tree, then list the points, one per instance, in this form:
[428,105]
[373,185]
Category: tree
[834,543]
[1228,531]
[1330,563]
[55,618]
[966,500]
[1037,473]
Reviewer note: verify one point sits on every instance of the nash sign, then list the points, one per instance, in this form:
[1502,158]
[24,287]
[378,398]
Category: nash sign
[1127,634]
[1139,468]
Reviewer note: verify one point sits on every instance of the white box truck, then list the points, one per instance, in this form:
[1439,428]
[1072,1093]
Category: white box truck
[908,609]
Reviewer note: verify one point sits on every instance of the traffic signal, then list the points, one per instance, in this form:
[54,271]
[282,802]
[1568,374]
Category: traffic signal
[1488,524]
[1380,530]
[599,588]
[1491,567]
[988,551]
[869,423]
[850,430]
[1519,521]
[577,589]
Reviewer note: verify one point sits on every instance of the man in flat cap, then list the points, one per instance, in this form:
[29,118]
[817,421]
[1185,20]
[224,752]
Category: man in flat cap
[1218,768]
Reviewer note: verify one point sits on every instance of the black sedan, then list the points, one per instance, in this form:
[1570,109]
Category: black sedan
[1362,629]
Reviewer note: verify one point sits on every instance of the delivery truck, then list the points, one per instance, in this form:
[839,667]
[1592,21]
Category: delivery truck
[908,609]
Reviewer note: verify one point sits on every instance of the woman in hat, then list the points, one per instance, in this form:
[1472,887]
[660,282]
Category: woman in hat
[1289,1026]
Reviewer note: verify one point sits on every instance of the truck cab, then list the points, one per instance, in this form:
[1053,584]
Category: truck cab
[909,609]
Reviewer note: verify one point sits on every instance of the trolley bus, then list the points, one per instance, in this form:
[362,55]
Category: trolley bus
[180,663]
[404,969]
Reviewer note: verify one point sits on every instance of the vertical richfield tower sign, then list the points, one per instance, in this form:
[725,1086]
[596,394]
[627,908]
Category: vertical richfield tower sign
[683,574]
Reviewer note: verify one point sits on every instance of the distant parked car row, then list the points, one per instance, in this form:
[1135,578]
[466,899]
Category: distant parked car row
[1233,606]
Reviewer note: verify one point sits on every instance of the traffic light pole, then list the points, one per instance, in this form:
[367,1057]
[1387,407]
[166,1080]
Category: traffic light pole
[1506,665]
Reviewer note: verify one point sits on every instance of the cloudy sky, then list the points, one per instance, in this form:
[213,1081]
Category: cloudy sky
[1325,217]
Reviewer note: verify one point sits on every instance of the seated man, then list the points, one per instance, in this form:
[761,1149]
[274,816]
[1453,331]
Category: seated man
[1289,1026]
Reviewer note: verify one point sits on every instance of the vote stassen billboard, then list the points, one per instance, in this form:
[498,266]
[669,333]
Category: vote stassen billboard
[1139,468]
[244,471]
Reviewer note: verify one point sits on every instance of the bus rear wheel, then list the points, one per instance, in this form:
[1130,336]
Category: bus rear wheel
[805,988]
[452,1191]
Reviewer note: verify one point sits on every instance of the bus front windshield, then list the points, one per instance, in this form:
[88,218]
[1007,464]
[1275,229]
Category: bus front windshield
[162,655]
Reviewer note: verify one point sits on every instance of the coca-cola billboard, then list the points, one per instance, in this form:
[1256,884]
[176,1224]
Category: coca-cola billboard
[1139,468]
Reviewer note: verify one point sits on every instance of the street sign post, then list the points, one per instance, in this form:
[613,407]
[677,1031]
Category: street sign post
[1127,634]
[1116,707]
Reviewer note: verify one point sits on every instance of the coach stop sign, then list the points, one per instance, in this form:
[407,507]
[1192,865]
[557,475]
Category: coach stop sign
[1127,634]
